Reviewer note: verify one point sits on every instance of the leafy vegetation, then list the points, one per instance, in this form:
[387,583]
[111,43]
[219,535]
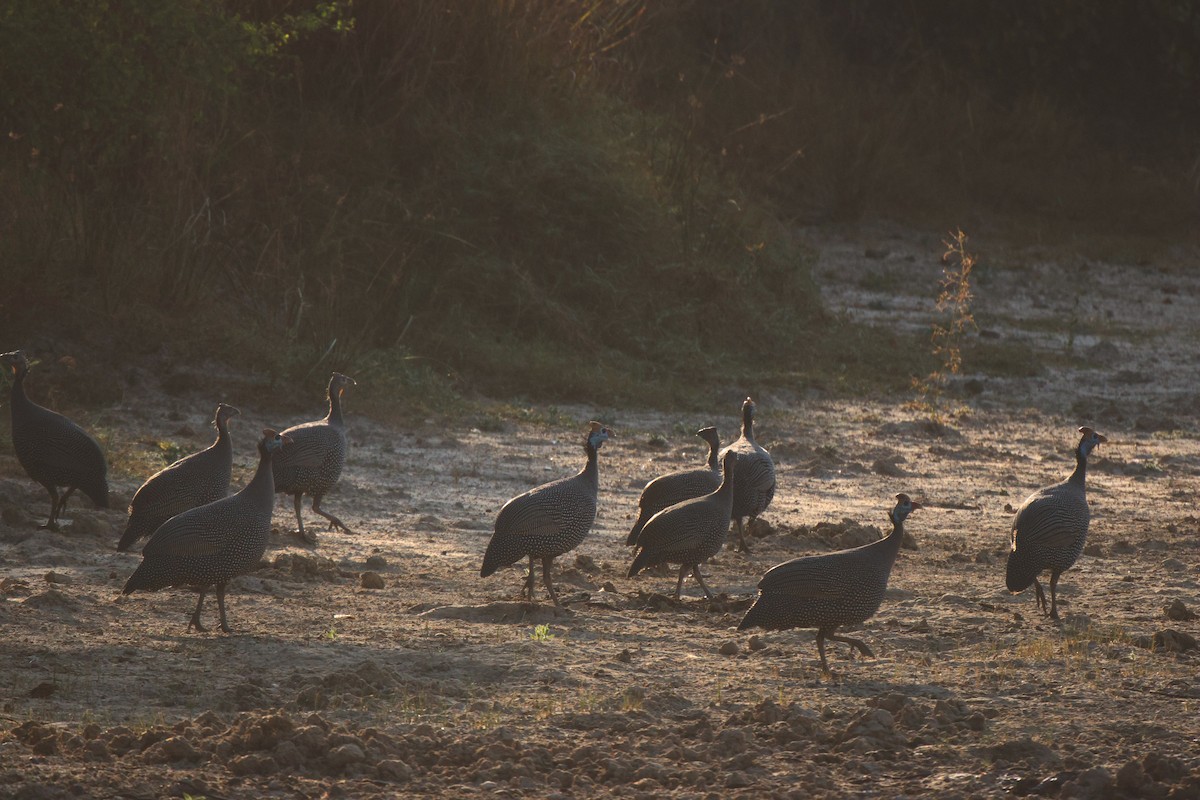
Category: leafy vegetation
[560,199]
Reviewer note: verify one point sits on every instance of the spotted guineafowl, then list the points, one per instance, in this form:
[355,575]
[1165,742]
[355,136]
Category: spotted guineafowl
[828,591]
[191,481]
[1050,529]
[689,533]
[53,450]
[675,487]
[313,463]
[754,484]
[549,520]
[210,545]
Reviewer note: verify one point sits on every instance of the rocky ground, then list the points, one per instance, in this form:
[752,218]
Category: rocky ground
[379,664]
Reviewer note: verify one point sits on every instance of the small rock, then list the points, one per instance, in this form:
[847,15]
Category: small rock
[737,780]
[1124,547]
[394,770]
[625,656]
[1025,750]
[984,557]
[376,562]
[1178,611]
[1167,769]
[756,643]
[253,764]
[730,648]
[889,468]
[1173,641]
[1131,777]
[1089,783]
[1174,565]
[58,577]
[43,690]
[345,755]
[371,580]
[1094,550]
[586,563]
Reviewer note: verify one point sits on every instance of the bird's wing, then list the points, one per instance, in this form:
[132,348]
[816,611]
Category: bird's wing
[188,534]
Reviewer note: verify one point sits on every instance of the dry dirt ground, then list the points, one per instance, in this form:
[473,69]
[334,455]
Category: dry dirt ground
[442,683]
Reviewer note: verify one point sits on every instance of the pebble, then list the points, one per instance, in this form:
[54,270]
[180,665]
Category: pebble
[756,643]
[1176,610]
[729,648]
[376,562]
[371,580]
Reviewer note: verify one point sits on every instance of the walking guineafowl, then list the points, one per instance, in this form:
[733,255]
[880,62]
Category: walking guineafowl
[1050,529]
[675,487]
[754,476]
[549,520]
[313,463]
[689,533]
[828,591]
[53,450]
[191,481]
[210,545]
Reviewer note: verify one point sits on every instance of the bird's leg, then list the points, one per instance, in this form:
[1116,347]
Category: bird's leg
[679,583]
[334,522]
[221,607]
[52,522]
[700,580]
[741,546]
[1054,594]
[527,588]
[299,519]
[546,577]
[1041,596]
[866,651]
[62,502]
[195,620]
[821,650]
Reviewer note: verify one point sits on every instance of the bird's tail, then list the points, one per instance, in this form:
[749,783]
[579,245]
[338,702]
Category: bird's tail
[754,616]
[1020,573]
[632,538]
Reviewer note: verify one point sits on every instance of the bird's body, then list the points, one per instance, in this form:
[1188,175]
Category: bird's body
[210,545]
[689,533]
[829,591]
[1050,529]
[549,520]
[192,481]
[313,463]
[754,475]
[52,449]
[675,487]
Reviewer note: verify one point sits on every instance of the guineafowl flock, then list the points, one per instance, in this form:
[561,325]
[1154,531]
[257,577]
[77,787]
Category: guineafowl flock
[200,537]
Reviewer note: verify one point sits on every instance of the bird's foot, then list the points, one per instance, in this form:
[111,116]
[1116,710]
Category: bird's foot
[194,622]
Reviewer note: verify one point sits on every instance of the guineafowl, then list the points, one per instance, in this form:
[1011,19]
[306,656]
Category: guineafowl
[689,533]
[313,463]
[210,545]
[831,590]
[754,475]
[549,520]
[53,450]
[1050,529]
[191,481]
[675,487]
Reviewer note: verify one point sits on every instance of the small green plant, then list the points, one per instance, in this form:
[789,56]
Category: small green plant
[330,633]
[954,304]
[541,633]
[171,451]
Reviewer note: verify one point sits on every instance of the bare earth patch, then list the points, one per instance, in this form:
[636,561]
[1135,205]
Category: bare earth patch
[444,683]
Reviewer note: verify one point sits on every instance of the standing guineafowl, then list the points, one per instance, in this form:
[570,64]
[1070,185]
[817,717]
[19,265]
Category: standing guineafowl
[191,481]
[754,475]
[313,463]
[53,450]
[689,533]
[1050,529]
[549,520]
[675,487]
[828,591]
[210,545]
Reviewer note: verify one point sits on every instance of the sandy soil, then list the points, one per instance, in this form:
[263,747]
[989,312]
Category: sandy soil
[443,683]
